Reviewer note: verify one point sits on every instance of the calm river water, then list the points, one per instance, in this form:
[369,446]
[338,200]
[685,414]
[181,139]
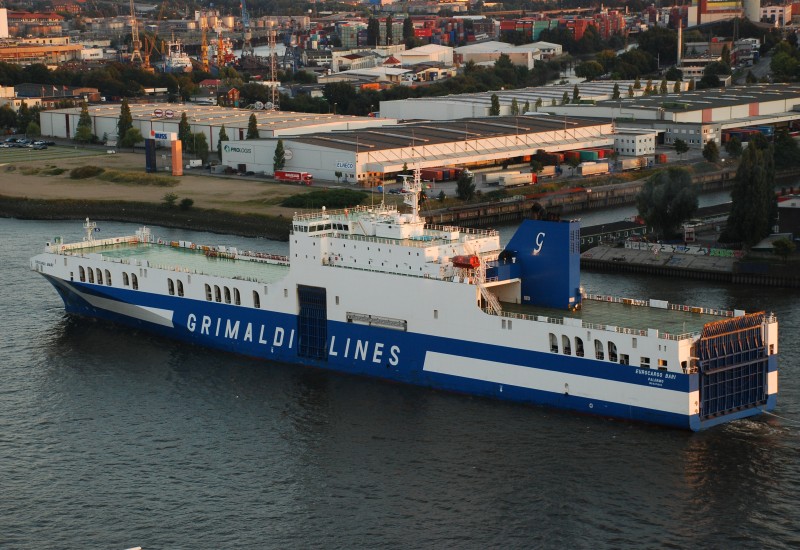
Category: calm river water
[111,438]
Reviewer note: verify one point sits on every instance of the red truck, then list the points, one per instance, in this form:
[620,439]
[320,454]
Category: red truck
[299,177]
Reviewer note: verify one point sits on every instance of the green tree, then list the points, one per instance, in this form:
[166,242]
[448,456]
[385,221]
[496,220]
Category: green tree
[666,200]
[527,107]
[169,199]
[615,93]
[711,151]
[787,153]
[536,166]
[514,107]
[648,88]
[676,88]
[494,109]
[279,159]
[408,28]
[252,127]
[83,131]
[186,203]
[8,118]
[734,148]
[131,138]
[565,98]
[576,94]
[690,87]
[338,176]
[630,91]
[681,147]
[125,121]
[589,70]
[389,22]
[223,136]
[637,84]
[538,104]
[201,146]
[185,133]
[465,186]
[783,247]
[373,31]
[24,117]
[663,88]
[753,204]
[33,130]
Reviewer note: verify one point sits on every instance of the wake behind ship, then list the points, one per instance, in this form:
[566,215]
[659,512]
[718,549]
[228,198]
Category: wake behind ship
[373,291]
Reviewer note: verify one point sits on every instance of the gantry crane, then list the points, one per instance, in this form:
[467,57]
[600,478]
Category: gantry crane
[136,44]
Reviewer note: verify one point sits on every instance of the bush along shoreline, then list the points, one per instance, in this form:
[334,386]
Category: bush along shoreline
[195,219]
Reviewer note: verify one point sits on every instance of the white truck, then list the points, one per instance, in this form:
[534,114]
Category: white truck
[592,168]
[516,180]
[493,178]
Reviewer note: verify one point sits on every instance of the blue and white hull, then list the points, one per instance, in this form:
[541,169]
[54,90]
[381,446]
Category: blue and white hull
[469,366]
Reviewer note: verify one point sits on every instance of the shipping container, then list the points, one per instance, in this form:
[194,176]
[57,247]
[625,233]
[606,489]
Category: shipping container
[661,158]
[593,168]
[299,177]
[588,156]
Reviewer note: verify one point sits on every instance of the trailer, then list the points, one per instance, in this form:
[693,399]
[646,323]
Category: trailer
[299,177]
[548,172]
[592,168]
[517,180]
[493,178]
[632,163]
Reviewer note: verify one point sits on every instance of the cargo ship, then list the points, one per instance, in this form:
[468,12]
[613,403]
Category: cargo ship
[378,292]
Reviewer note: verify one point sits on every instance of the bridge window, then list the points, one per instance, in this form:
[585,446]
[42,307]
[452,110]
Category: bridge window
[662,364]
[612,352]
[217,294]
[553,343]
[565,345]
[125,280]
[171,287]
[624,359]
[227,295]
[82,273]
[99,276]
[237,299]
[134,281]
[108,277]
[598,350]
[644,362]
[90,272]
[180,287]
[578,347]
[256,300]
[208,292]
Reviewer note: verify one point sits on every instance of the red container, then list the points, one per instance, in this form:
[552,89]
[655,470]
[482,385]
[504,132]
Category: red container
[661,158]
[467,262]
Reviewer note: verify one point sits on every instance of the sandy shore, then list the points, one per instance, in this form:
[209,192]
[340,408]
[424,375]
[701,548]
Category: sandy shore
[242,195]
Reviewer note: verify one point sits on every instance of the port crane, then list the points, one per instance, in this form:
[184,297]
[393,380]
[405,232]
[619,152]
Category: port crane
[247,46]
[136,44]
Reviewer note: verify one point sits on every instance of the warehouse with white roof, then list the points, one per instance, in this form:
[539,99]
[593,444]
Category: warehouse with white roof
[165,117]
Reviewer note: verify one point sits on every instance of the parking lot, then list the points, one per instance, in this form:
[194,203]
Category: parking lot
[53,152]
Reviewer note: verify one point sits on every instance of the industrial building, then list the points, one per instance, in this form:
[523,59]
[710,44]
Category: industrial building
[371,155]
[476,105]
[165,117]
[699,116]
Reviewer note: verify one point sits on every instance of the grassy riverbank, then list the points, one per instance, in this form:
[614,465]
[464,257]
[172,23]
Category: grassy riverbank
[198,219]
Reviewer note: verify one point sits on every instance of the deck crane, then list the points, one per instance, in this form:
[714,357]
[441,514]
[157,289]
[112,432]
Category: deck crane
[247,46]
[136,44]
